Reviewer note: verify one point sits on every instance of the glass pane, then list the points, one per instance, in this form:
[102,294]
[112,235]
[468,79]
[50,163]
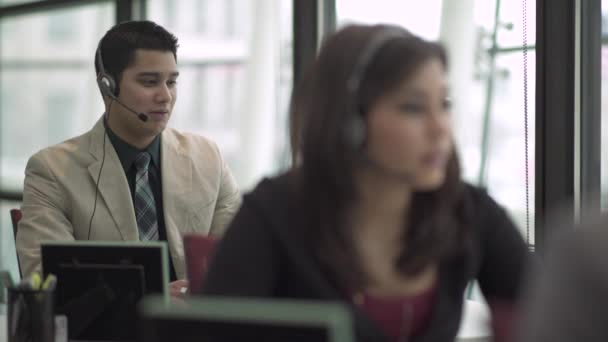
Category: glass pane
[512,21]
[8,255]
[505,156]
[235,77]
[420,17]
[481,86]
[48,91]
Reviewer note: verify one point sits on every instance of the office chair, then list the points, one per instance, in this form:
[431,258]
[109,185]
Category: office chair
[15,218]
[198,249]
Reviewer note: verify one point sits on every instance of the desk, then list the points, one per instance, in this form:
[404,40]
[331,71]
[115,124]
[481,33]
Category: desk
[473,327]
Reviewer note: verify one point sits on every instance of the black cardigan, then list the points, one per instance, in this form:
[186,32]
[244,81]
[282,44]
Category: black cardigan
[262,255]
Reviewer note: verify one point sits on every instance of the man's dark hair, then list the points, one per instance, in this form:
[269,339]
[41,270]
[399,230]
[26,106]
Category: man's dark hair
[119,44]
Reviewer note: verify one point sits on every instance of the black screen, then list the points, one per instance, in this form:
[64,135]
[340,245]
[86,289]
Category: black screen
[99,286]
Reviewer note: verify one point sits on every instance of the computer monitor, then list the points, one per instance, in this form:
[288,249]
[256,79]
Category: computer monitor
[100,283]
[225,319]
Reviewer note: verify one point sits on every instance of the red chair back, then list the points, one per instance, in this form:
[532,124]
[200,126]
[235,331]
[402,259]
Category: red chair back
[15,218]
[198,249]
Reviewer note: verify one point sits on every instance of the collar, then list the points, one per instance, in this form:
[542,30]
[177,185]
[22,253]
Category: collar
[127,152]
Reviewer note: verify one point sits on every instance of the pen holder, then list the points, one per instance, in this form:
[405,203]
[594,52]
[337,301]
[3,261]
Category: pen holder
[30,315]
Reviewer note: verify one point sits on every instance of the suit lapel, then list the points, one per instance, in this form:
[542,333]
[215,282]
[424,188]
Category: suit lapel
[176,168]
[113,185]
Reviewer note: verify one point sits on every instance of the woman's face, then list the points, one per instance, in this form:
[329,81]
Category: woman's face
[409,132]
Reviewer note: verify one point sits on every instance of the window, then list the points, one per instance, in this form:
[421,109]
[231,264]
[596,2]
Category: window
[235,78]
[423,19]
[486,82]
[40,70]
[8,255]
[48,91]
[61,27]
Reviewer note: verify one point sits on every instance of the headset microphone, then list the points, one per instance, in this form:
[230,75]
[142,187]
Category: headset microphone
[141,116]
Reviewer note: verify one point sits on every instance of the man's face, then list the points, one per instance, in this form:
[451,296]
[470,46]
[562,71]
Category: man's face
[147,86]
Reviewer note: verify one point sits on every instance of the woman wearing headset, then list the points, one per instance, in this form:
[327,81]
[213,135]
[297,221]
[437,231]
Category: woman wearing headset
[374,212]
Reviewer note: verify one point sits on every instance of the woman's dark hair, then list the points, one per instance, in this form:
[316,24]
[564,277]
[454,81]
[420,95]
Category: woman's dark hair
[119,44]
[324,159]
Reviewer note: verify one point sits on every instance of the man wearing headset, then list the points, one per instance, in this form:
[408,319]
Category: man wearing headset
[129,177]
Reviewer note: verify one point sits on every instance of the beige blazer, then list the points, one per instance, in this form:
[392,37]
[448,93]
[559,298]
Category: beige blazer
[199,194]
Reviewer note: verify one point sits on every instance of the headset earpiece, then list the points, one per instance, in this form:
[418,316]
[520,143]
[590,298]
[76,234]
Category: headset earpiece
[105,82]
[356,127]
[356,131]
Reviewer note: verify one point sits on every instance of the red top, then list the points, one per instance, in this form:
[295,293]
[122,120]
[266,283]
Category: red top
[504,314]
[400,316]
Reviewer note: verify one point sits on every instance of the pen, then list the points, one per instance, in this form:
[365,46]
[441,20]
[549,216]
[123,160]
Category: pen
[36,281]
[49,283]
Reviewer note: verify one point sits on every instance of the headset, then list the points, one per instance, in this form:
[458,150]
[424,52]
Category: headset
[105,81]
[107,87]
[107,84]
[356,127]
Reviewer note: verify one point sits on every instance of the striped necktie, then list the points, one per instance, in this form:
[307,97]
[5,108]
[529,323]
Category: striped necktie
[143,201]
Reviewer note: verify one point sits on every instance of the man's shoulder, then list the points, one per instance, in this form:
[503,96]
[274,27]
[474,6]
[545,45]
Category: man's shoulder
[190,142]
[72,148]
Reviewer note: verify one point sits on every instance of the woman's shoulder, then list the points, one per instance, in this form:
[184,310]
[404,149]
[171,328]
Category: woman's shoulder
[272,198]
[274,202]
[475,193]
[481,210]
[277,188]
[477,198]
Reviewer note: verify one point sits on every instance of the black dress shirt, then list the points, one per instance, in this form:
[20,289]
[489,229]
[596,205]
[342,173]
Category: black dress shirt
[127,154]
